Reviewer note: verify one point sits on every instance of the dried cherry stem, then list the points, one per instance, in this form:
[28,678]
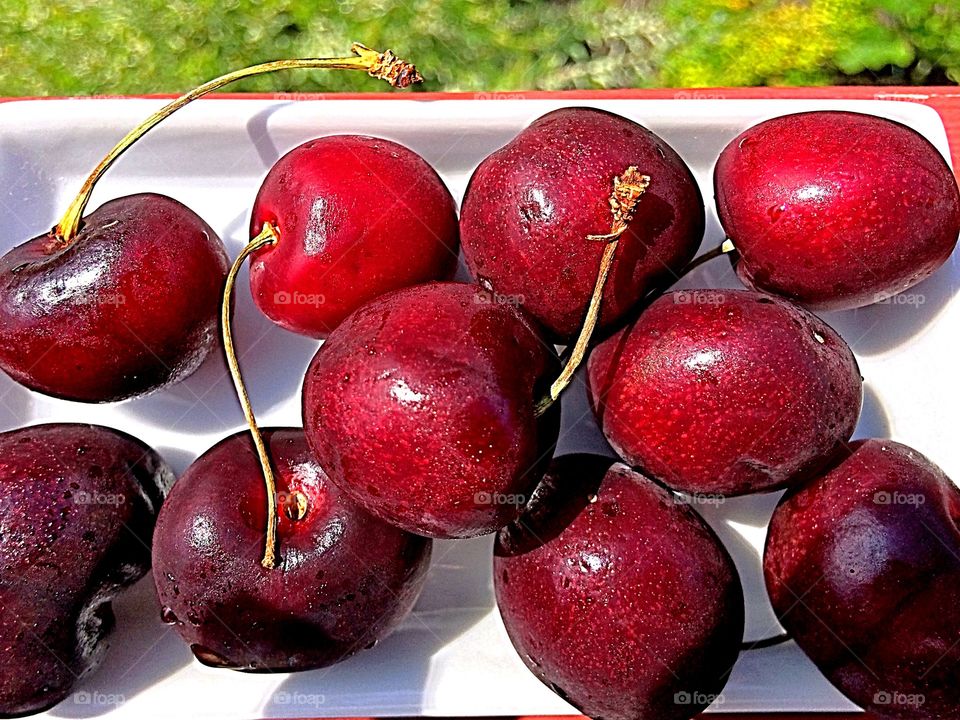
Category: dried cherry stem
[628,187]
[267,236]
[385,66]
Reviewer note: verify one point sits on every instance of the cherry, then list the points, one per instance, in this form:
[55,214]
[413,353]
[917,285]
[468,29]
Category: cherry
[344,579]
[618,596]
[127,306]
[836,210]
[124,301]
[725,391]
[863,569]
[77,509]
[530,204]
[421,407]
[356,217]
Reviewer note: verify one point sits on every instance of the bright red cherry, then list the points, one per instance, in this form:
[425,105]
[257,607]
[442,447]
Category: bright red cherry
[420,406]
[618,596]
[726,391]
[836,210]
[356,217]
[531,205]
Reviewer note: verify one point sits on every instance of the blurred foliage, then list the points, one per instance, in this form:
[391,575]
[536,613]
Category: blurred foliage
[812,42]
[78,47]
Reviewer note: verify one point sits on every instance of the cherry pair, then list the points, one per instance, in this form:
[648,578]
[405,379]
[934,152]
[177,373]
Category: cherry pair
[124,300]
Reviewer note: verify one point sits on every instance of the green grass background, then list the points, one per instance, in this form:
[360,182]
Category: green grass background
[81,47]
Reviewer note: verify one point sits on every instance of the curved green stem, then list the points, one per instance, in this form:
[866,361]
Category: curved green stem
[267,236]
[385,66]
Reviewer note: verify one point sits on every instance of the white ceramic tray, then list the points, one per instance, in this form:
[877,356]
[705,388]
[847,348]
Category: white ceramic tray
[452,656]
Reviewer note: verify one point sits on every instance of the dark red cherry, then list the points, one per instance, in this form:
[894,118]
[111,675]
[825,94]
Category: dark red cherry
[726,391]
[77,510]
[420,406]
[618,596]
[836,210]
[129,305]
[863,570]
[531,205]
[343,579]
[357,216]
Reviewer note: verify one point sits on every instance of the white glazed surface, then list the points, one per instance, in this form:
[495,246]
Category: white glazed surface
[452,656]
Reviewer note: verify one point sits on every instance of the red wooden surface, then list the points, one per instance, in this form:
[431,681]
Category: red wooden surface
[945,100]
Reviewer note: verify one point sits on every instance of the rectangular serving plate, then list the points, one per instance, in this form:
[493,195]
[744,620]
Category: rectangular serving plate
[452,656]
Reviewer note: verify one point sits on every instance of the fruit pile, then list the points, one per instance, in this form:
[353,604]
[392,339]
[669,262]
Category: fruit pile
[283,549]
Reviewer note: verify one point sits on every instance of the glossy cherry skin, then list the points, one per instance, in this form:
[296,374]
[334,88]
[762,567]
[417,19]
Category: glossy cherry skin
[77,510]
[618,596]
[420,406]
[530,206]
[357,216]
[836,210]
[343,580]
[863,569]
[129,306]
[726,391]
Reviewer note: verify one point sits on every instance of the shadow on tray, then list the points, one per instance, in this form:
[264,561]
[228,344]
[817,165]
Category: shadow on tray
[392,677]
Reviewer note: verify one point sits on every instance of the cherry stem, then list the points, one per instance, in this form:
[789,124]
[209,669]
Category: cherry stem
[724,248]
[627,190]
[385,66]
[267,236]
[764,642]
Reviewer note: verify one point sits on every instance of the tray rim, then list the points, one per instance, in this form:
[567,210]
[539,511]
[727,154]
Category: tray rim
[944,99]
